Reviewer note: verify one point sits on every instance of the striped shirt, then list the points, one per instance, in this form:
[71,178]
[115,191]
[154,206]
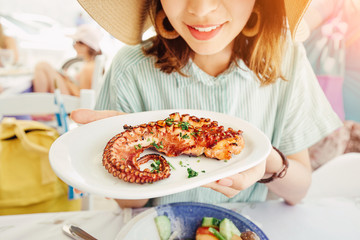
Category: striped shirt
[294,114]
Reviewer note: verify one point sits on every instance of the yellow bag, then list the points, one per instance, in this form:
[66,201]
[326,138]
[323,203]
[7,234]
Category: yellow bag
[27,182]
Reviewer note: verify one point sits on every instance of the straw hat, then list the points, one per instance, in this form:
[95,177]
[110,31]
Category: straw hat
[127,20]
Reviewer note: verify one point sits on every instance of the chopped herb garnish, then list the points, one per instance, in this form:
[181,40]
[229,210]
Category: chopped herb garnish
[203,171]
[180,163]
[123,159]
[191,173]
[198,160]
[155,166]
[169,121]
[171,165]
[155,145]
[195,133]
[148,139]
[138,146]
[225,160]
[185,136]
[184,125]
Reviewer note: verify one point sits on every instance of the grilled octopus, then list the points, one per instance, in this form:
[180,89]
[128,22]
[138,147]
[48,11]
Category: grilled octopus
[176,135]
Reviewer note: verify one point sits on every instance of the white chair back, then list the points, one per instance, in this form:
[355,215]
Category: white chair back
[337,178]
[43,103]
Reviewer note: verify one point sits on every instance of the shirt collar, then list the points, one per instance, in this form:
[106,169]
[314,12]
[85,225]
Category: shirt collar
[196,75]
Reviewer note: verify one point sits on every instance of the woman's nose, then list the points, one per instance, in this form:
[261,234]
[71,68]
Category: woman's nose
[202,7]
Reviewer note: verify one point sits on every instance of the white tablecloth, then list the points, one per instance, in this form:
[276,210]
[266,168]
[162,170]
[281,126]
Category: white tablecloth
[15,80]
[332,218]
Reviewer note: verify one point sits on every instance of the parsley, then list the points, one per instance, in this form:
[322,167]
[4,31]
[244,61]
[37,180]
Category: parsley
[171,165]
[137,146]
[169,121]
[203,171]
[156,145]
[195,133]
[155,166]
[184,136]
[191,173]
[184,125]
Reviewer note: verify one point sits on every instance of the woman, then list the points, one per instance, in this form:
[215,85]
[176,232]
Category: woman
[234,57]
[87,46]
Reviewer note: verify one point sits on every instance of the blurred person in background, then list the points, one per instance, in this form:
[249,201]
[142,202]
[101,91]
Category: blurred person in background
[338,19]
[7,42]
[333,48]
[87,45]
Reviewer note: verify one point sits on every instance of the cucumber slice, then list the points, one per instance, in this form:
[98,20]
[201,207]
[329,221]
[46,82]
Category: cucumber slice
[227,228]
[216,233]
[210,222]
[163,226]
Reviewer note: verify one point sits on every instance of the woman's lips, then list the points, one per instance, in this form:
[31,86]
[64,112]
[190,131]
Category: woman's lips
[202,32]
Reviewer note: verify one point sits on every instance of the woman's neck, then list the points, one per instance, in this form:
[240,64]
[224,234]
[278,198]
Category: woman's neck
[216,63]
[87,58]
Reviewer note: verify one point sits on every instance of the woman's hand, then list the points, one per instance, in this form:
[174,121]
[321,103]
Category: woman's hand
[232,185]
[292,187]
[84,116]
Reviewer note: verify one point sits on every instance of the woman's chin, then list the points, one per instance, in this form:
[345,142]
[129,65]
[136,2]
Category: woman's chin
[207,50]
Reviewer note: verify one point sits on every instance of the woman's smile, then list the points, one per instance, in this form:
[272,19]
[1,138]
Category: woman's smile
[204,32]
[208,27]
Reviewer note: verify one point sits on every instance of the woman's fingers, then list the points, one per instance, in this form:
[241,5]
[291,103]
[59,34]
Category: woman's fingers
[227,191]
[247,178]
[230,186]
[84,116]
[77,191]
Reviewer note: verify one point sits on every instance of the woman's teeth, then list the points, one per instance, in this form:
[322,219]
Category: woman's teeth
[207,29]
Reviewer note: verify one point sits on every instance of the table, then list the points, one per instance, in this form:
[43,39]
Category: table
[327,218]
[15,80]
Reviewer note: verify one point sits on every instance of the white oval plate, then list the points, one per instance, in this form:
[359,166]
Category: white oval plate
[76,157]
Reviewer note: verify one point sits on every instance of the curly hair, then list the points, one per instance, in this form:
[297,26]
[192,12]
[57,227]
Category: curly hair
[262,53]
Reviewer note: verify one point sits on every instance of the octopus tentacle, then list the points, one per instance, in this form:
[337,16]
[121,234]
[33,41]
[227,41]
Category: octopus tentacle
[177,134]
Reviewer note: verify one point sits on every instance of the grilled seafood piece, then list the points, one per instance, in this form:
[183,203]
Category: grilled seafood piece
[176,135]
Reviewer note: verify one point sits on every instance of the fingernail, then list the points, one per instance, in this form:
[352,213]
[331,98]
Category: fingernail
[225,182]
